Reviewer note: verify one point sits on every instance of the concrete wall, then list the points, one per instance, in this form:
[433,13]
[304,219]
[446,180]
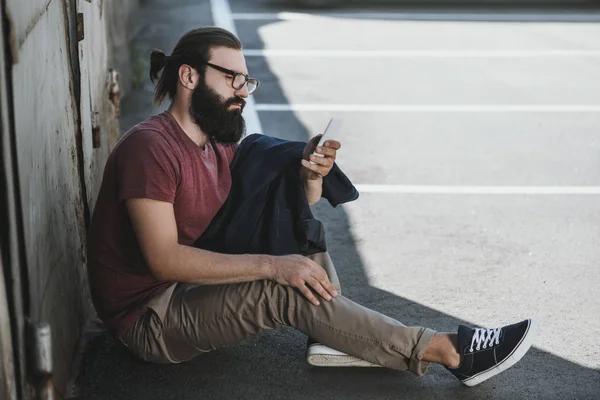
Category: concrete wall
[65,126]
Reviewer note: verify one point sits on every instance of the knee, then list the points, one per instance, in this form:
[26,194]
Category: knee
[282,301]
[277,291]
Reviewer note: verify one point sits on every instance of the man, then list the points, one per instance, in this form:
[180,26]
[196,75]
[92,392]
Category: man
[168,301]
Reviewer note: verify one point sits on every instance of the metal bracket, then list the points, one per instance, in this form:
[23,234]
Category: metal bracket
[41,368]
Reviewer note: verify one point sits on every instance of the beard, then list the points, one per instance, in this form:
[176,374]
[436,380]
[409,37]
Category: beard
[212,114]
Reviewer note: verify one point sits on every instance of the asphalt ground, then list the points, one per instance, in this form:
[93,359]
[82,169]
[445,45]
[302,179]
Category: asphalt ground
[474,137]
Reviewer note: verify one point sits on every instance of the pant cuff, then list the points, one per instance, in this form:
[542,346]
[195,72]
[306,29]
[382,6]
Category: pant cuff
[416,363]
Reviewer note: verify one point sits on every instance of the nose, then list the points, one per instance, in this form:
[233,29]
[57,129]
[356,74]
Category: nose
[243,92]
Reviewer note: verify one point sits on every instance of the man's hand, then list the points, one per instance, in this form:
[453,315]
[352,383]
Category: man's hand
[312,175]
[313,172]
[301,272]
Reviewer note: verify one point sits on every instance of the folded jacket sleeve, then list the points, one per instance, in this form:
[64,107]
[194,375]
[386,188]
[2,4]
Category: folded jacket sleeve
[337,187]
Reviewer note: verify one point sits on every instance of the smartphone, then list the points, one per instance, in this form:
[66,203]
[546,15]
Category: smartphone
[331,132]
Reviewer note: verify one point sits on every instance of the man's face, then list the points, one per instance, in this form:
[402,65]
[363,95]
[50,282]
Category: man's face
[215,105]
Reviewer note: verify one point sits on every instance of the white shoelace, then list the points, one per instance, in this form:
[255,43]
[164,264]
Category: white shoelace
[484,338]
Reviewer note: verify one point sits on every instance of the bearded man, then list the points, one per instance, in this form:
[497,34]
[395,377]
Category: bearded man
[167,179]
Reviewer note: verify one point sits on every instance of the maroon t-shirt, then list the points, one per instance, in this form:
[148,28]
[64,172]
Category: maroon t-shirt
[154,160]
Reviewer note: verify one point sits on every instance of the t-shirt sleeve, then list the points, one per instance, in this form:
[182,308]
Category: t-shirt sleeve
[147,167]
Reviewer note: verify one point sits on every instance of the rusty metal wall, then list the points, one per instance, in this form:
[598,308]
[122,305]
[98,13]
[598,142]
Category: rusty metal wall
[48,168]
[65,127]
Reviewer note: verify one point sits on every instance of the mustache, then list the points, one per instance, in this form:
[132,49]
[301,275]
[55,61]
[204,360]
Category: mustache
[236,100]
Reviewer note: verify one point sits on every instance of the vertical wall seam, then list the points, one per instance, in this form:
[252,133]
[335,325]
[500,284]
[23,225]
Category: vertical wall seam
[75,89]
[17,273]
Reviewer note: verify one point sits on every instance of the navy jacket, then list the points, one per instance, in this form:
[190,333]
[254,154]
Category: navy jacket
[266,211]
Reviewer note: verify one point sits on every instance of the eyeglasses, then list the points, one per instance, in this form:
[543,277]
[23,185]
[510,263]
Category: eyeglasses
[239,79]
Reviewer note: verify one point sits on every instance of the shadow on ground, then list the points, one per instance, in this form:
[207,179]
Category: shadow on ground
[271,365]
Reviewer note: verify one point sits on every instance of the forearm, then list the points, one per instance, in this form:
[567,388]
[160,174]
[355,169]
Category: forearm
[187,264]
[313,190]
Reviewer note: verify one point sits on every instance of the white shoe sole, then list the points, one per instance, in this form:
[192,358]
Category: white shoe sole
[319,355]
[509,361]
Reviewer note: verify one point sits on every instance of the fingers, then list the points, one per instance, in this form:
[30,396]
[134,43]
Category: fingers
[308,294]
[310,277]
[318,287]
[329,288]
[327,151]
[319,281]
[316,168]
[322,287]
[333,144]
[322,161]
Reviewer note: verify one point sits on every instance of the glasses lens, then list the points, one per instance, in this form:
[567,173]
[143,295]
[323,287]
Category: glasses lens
[252,85]
[239,82]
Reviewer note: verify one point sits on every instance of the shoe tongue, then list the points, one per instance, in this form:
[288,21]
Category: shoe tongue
[465,335]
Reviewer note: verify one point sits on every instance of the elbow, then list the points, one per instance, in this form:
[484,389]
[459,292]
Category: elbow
[159,266]
[159,272]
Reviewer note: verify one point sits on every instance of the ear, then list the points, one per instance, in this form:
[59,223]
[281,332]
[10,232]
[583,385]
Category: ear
[188,77]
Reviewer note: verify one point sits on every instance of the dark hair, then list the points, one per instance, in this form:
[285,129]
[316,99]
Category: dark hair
[193,49]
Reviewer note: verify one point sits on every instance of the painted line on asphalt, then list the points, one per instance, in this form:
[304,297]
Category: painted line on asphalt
[419,53]
[415,16]
[492,108]
[529,190]
[222,17]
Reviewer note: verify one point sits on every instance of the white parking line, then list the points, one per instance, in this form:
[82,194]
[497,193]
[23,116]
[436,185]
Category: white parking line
[222,17]
[531,190]
[504,17]
[428,108]
[419,53]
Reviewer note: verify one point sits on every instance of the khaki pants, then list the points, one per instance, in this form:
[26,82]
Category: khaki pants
[188,320]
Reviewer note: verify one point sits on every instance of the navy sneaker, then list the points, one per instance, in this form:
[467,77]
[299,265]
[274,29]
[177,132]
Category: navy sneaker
[487,352]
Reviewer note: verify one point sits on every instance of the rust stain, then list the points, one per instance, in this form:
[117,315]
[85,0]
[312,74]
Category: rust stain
[96,138]
[114,92]
[80,27]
